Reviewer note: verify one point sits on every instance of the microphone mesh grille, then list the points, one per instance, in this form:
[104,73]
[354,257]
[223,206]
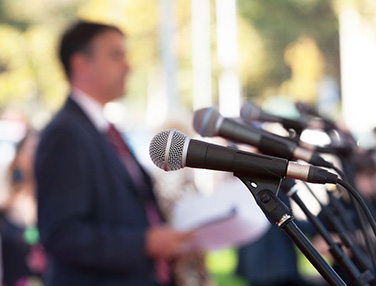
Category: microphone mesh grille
[157,148]
[170,142]
[250,112]
[205,121]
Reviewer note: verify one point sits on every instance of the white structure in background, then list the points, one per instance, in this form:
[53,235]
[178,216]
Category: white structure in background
[168,27]
[227,45]
[201,54]
[157,104]
[201,69]
[358,71]
[163,100]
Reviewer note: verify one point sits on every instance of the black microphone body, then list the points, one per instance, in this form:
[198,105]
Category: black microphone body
[208,122]
[214,157]
[321,122]
[250,112]
[268,144]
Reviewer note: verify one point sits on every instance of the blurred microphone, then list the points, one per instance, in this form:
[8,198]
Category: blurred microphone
[209,122]
[250,112]
[322,123]
[172,150]
[344,141]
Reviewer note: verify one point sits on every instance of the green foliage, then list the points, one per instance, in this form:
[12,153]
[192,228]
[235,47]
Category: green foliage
[222,265]
[30,29]
[31,79]
[280,23]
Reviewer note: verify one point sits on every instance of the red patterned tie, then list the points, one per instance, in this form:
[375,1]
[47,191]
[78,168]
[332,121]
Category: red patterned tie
[117,141]
[125,156]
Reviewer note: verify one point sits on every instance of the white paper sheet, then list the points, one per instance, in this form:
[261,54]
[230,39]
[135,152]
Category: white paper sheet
[228,217]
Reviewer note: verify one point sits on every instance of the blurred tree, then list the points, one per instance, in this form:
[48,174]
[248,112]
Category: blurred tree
[29,69]
[252,57]
[306,63]
[13,65]
[280,23]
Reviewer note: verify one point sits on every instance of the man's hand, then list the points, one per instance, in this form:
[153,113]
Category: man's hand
[165,242]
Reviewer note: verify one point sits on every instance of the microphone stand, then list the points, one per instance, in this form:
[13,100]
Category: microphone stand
[344,155]
[349,173]
[334,215]
[265,190]
[335,248]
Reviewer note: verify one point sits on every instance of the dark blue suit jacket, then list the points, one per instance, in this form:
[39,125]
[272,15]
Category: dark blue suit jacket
[91,218]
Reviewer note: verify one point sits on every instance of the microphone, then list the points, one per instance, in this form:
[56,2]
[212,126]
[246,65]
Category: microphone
[208,122]
[172,150]
[250,112]
[321,122]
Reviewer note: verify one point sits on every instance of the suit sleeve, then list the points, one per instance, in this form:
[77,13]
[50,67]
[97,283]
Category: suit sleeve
[65,208]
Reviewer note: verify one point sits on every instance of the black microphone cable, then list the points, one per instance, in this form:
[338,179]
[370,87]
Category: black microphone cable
[333,213]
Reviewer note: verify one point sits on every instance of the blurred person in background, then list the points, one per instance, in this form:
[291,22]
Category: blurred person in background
[364,168]
[363,172]
[97,213]
[365,177]
[23,257]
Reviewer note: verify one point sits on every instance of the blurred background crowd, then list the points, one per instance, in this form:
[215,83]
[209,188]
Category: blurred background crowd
[183,55]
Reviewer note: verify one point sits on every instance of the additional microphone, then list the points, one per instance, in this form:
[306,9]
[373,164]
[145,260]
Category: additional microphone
[345,142]
[172,150]
[321,122]
[208,122]
[250,112]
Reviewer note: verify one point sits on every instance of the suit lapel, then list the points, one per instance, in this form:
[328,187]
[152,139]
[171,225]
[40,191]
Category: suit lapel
[112,161]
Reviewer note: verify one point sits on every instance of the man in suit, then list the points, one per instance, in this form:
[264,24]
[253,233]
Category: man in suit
[97,214]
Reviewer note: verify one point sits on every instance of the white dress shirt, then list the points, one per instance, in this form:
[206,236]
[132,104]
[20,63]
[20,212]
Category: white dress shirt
[92,109]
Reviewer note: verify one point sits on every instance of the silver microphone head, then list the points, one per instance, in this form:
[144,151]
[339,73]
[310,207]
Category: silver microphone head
[168,149]
[206,121]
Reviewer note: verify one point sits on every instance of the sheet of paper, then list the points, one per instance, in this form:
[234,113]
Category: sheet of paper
[229,217]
